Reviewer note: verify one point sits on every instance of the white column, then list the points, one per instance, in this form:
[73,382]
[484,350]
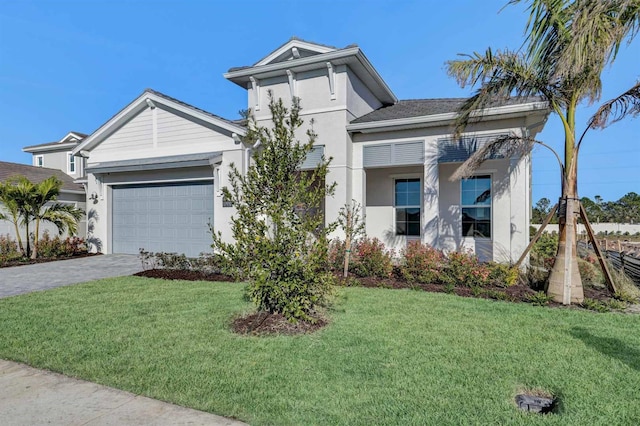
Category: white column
[431,195]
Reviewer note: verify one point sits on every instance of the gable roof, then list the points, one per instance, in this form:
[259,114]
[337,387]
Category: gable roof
[148,99]
[294,49]
[38,174]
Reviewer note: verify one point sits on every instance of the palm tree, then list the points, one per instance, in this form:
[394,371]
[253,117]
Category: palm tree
[28,202]
[12,214]
[568,45]
[42,208]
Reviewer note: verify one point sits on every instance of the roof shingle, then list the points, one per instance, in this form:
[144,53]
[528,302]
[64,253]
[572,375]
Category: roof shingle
[423,107]
[37,174]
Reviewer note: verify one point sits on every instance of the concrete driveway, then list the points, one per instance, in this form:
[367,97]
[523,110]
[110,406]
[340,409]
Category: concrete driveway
[42,276]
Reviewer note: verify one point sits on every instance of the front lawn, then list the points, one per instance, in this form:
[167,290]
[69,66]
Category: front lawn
[387,357]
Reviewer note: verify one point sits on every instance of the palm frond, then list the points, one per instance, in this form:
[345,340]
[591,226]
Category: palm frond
[63,216]
[505,146]
[627,104]
[501,76]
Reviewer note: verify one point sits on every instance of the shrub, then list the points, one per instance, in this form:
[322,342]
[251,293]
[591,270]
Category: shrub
[589,273]
[540,298]
[535,277]
[372,259]
[502,274]
[595,305]
[335,256]
[8,249]
[623,296]
[616,305]
[421,263]
[464,268]
[279,231]
[56,247]
[544,250]
[206,262]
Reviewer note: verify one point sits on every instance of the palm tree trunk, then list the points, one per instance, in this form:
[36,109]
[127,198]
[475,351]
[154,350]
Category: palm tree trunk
[565,284]
[19,237]
[28,250]
[34,253]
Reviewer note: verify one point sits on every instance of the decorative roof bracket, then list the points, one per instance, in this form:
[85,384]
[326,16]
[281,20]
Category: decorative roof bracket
[255,86]
[332,80]
[292,83]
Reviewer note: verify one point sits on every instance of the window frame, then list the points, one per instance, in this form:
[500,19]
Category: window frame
[489,206]
[71,163]
[38,160]
[396,207]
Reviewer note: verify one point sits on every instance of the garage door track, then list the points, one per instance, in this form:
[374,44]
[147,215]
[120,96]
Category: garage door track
[43,276]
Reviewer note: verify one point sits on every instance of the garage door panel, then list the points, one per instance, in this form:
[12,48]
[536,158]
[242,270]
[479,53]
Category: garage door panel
[162,217]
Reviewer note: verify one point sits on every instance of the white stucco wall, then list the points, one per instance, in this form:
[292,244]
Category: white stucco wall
[441,213]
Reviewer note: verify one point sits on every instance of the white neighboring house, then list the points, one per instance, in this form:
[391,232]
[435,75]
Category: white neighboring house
[154,170]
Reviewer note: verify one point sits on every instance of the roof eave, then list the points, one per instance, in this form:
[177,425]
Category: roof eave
[56,146]
[384,93]
[435,120]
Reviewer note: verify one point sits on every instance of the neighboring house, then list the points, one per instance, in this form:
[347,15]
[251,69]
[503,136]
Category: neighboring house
[155,169]
[57,155]
[70,193]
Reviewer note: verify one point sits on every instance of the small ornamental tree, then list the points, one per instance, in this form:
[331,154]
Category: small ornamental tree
[352,224]
[280,239]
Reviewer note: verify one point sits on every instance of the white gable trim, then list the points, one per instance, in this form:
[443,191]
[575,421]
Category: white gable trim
[70,136]
[289,46]
[141,104]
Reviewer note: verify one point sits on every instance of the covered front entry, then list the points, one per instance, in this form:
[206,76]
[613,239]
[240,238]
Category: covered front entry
[163,217]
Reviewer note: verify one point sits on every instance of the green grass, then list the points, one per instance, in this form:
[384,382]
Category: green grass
[388,356]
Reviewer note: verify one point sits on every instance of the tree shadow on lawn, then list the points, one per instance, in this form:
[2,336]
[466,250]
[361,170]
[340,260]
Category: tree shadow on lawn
[614,348]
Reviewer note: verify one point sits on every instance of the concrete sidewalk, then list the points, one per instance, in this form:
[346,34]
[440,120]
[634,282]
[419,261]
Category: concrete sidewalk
[29,396]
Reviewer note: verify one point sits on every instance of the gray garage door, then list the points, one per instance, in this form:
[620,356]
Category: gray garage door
[162,217]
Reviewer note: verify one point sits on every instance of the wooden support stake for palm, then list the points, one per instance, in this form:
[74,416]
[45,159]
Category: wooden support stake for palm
[603,263]
[537,235]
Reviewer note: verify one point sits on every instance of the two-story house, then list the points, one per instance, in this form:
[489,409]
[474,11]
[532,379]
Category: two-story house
[52,159]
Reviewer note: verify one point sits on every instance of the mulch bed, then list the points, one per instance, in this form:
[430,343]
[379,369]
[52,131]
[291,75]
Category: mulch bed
[180,274]
[264,323]
[515,293]
[22,262]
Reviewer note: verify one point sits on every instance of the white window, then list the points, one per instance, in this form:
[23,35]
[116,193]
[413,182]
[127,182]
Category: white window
[407,202]
[38,161]
[476,206]
[71,163]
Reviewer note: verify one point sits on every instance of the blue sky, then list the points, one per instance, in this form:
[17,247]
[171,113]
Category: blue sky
[70,65]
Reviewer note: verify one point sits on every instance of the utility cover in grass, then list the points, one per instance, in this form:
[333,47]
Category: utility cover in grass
[535,404]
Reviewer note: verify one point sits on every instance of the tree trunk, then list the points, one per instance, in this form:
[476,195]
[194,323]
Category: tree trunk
[28,250]
[19,238]
[565,284]
[34,253]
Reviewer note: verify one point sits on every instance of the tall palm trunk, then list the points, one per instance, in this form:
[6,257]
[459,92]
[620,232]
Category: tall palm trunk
[565,284]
